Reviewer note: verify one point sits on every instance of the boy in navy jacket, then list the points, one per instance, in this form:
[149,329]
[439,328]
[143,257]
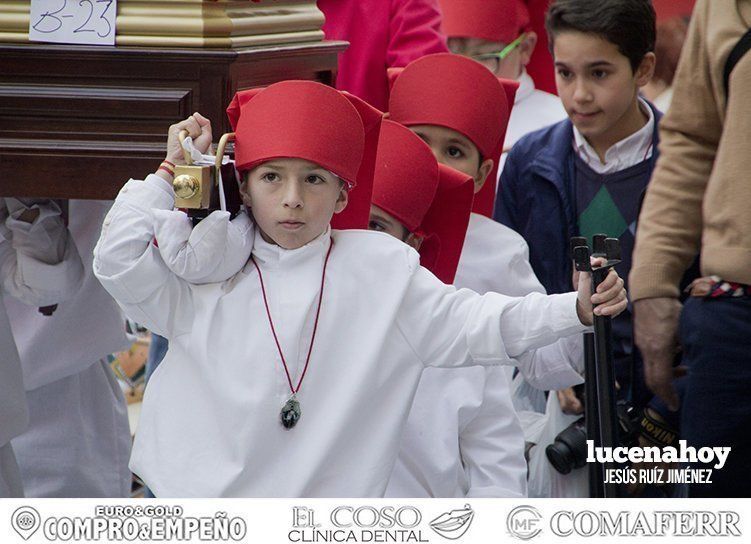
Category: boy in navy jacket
[588,173]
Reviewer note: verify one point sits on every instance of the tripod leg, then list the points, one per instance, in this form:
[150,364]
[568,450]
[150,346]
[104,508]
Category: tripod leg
[591,414]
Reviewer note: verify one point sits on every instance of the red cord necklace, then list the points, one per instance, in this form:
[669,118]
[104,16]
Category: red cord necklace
[291,411]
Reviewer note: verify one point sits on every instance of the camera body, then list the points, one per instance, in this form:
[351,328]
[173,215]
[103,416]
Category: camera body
[569,449]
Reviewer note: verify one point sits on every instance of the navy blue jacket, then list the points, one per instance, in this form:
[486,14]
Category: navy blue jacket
[539,177]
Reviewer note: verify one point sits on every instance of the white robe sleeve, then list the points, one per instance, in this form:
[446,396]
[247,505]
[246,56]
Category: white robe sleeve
[213,251]
[130,267]
[39,262]
[492,444]
[555,366]
[448,328]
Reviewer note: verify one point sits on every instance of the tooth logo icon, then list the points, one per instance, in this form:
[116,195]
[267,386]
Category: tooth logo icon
[25,520]
[452,525]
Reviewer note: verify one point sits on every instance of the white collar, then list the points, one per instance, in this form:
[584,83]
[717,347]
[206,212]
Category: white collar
[628,152]
[270,254]
[526,86]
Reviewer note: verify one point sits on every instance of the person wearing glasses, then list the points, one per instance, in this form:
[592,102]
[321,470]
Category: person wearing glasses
[497,34]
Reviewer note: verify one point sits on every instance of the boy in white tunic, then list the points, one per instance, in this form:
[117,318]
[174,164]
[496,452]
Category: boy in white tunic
[40,265]
[461,110]
[462,436]
[295,377]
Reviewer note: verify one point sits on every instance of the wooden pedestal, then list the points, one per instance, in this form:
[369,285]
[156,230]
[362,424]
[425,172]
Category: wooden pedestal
[78,121]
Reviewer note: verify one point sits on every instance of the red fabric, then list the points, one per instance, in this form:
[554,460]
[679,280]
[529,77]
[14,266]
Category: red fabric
[382,34]
[667,9]
[308,120]
[460,94]
[428,198]
[446,224]
[492,20]
[406,175]
[541,67]
[484,202]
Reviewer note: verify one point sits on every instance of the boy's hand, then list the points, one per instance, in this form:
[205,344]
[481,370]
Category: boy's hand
[198,127]
[610,297]
[570,403]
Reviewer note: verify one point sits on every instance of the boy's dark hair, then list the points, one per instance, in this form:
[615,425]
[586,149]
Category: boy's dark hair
[628,24]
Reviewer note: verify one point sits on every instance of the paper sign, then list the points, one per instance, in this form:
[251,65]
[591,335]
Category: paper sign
[90,22]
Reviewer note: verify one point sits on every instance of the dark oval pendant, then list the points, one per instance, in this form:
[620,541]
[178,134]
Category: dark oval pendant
[290,413]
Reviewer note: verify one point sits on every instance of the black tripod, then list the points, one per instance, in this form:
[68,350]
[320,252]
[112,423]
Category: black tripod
[599,377]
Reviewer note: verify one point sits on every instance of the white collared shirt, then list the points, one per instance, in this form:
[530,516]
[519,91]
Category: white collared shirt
[628,152]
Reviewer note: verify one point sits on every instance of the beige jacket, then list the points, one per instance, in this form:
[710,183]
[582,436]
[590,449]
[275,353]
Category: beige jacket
[700,195]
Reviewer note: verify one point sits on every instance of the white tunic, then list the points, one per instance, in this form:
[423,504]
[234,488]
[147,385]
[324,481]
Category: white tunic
[86,328]
[40,265]
[495,259]
[70,391]
[210,421]
[462,436]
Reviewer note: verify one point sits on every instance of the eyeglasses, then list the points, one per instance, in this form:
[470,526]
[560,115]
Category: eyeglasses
[492,61]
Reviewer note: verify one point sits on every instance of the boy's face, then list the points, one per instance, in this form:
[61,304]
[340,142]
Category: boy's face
[292,200]
[382,221]
[455,150]
[598,87]
[508,68]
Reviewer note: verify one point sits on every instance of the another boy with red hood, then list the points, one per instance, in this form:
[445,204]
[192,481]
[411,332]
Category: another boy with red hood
[462,436]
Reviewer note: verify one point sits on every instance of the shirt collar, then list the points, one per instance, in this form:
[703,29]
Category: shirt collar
[269,254]
[628,152]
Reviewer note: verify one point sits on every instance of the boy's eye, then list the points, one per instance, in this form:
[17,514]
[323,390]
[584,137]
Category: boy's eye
[564,74]
[375,225]
[454,152]
[599,74]
[270,177]
[314,179]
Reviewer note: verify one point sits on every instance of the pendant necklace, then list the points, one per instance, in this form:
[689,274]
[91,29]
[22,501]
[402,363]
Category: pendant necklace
[291,411]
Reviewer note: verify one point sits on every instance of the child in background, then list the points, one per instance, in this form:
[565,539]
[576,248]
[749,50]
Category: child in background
[333,328]
[39,264]
[498,34]
[461,111]
[462,436]
[419,201]
[588,173]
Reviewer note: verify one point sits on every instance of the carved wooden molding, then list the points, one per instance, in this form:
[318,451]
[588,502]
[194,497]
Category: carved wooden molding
[77,121]
[193,23]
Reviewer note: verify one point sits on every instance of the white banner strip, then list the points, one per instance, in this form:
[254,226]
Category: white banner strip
[285,521]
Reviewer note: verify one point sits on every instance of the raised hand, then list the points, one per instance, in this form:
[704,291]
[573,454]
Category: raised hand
[198,127]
